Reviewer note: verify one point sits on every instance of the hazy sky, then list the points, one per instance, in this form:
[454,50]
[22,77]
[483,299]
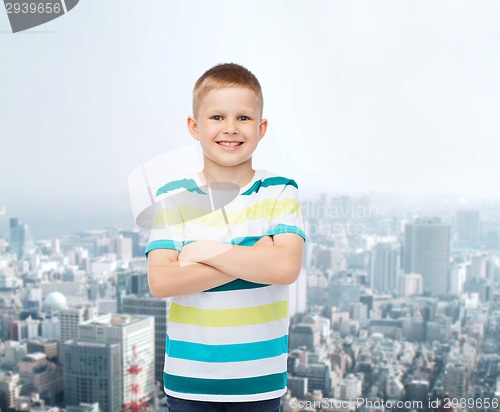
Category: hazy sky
[361,96]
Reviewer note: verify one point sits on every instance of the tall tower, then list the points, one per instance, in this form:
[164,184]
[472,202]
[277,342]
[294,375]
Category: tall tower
[384,267]
[455,379]
[70,318]
[427,251]
[158,308]
[468,227]
[92,373]
[132,332]
[17,237]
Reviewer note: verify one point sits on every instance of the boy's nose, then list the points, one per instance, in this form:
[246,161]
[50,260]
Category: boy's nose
[231,128]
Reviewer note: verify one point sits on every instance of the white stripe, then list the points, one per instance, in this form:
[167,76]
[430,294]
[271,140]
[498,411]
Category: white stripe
[234,299]
[227,398]
[251,227]
[228,335]
[225,370]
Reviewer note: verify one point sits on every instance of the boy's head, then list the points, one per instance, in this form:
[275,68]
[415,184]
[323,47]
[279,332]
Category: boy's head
[226,75]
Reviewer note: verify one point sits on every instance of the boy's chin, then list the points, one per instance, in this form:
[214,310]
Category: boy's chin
[230,163]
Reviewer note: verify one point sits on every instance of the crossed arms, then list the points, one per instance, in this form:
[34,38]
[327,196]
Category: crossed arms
[206,264]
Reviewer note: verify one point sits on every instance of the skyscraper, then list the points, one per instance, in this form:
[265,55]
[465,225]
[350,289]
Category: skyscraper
[93,373]
[17,238]
[427,251]
[343,292]
[158,308]
[410,284]
[384,267]
[135,334]
[456,379]
[70,318]
[468,227]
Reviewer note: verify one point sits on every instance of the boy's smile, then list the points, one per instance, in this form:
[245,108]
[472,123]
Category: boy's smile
[228,126]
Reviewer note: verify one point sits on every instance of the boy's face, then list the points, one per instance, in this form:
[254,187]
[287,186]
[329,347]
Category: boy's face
[228,126]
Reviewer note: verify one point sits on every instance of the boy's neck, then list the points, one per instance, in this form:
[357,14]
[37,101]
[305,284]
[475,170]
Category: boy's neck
[238,175]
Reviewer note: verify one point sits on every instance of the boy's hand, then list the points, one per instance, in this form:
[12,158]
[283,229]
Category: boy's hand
[264,241]
[203,250]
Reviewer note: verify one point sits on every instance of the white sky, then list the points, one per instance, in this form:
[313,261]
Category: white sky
[361,96]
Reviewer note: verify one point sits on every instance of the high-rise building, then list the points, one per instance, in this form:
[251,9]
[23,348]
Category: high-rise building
[304,335]
[10,389]
[158,308]
[122,246]
[468,227]
[455,380]
[343,292]
[349,388]
[384,267]
[427,251]
[42,376]
[418,390]
[93,373]
[410,284]
[69,319]
[458,276]
[135,334]
[130,283]
[297,302]
[17,237]
[137,249]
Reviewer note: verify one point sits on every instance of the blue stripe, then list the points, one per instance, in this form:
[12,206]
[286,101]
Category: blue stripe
[270,181]
[237,284]
[237,352]
[245,240]
[281,228]
[239,241]
[163,244]
[188,184]
[242,386]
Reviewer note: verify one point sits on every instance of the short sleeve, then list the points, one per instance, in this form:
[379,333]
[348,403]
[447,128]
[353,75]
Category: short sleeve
[286,216]
[167,226]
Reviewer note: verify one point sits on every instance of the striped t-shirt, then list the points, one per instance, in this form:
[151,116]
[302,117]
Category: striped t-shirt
[229,343]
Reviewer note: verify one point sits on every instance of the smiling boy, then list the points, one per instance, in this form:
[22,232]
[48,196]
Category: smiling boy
[228,269]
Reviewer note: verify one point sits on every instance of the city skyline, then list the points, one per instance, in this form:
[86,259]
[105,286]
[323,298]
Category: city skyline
[366,323]
[366,97]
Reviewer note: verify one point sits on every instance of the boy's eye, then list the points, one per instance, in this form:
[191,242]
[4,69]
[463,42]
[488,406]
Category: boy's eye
[244,118]
[216,117]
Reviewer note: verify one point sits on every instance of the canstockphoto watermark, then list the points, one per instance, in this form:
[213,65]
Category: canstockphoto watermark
[352,404]
[25,14]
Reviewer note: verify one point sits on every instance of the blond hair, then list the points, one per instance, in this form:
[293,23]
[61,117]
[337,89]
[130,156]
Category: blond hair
[226,75]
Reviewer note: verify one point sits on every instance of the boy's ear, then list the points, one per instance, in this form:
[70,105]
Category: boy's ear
[262,128]
[192,127]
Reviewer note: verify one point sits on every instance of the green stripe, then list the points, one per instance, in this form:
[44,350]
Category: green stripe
[228,317]
[238,352]
[163,244]
[242,386]
[281,228]
[270,181]
[237,284]
[188,184]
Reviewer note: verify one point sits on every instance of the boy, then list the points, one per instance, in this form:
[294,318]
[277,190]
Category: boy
[228,269]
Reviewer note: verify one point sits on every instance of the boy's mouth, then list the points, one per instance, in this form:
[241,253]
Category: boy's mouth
[229,143]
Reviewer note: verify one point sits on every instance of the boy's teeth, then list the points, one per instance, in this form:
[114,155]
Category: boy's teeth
[229,143]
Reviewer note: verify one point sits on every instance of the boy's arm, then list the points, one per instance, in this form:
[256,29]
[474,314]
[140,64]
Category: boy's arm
[279,264]
[169,277]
